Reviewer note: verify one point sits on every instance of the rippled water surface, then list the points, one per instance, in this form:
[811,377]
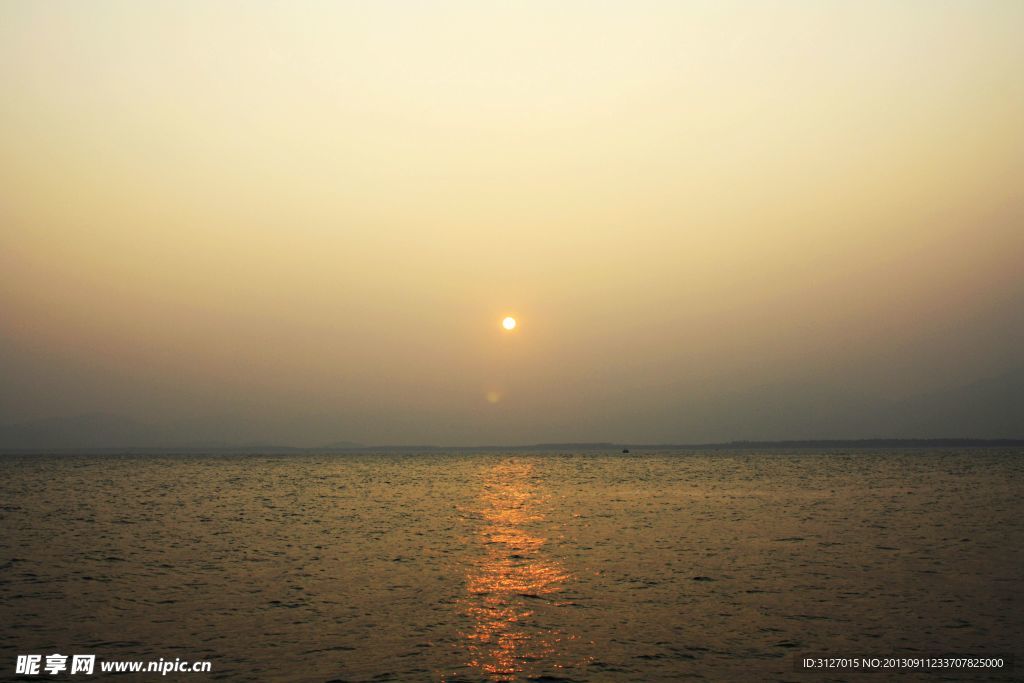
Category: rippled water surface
[492,567]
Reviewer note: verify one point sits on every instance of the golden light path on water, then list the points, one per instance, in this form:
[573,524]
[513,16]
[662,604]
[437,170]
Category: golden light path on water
[513,580]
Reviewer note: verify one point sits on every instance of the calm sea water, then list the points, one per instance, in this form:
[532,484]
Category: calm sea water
[493,567]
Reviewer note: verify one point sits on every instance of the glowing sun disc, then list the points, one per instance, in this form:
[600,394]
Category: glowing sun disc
[509,323]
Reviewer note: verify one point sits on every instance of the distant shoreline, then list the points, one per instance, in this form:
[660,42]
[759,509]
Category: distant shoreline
[797,444]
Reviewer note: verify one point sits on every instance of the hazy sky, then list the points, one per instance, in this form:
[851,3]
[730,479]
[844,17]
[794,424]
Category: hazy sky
[314,216]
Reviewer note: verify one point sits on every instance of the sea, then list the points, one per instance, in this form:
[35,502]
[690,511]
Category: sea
[515,566]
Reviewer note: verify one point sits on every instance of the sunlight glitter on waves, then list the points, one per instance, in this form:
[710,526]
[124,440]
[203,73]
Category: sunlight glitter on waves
[508,585]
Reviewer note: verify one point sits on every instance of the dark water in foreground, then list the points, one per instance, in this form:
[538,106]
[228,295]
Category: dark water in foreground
[495,567]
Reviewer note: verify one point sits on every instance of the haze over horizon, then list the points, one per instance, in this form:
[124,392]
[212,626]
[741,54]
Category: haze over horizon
[712,221]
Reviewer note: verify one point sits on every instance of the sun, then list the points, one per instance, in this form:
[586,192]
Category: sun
[509,323]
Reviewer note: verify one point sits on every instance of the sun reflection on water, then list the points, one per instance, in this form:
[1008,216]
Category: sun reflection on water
[513,587]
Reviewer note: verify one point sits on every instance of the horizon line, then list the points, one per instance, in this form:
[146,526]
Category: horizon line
[257,449]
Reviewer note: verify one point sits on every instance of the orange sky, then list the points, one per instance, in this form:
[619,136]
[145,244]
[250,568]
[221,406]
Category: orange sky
[315,215]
